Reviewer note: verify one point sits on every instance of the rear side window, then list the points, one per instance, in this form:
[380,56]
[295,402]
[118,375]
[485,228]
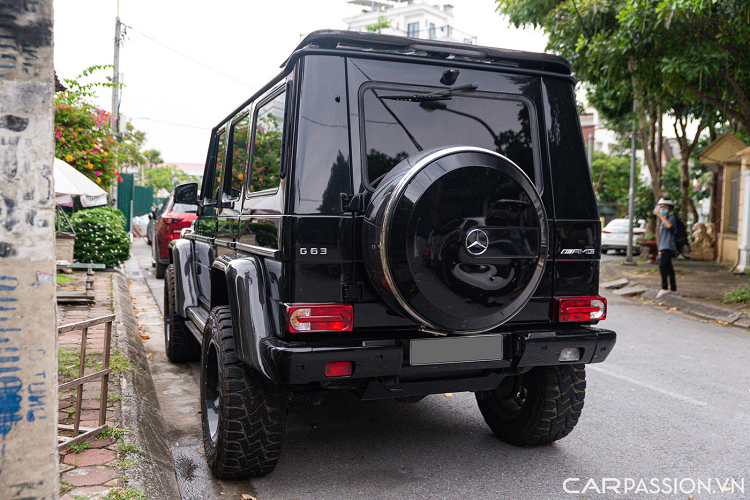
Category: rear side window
[240,145]
[571,177]
[396,127]
[267,142]
[213,182]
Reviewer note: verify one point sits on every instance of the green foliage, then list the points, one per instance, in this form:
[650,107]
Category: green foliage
[125,494]
[615,183]
[126,448]
[65,487]
[267,154]
[83,133]
[63,278]
[67,363]
[738,295]
[119,363]
[122,464]
[382,22]
[153,156]
[79,447]
[111,433]
[100,236]
[84,139]
[166,177]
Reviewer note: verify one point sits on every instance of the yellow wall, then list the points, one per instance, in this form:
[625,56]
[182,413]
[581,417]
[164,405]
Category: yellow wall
[727,244]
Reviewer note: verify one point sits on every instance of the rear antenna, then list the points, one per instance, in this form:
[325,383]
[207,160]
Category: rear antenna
[449,77]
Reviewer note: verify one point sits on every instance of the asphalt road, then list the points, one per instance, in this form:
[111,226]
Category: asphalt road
[672,402]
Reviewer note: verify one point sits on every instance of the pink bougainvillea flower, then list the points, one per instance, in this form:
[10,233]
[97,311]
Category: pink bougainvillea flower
[98,173]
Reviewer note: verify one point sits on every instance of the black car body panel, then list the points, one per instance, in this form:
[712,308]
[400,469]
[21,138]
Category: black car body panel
[297,237]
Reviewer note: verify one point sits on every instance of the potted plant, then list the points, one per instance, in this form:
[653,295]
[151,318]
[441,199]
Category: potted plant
[649,246]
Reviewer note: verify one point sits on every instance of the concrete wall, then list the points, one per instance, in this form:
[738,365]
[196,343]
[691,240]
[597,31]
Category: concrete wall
[28,340]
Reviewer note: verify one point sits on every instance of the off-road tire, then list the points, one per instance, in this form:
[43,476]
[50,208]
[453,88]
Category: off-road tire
[548,410]
[249,410]
[179,343]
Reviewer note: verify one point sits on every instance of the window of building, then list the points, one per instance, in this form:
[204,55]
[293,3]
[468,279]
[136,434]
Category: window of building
[412,30]
[267,142]
[734,200]
[433,34]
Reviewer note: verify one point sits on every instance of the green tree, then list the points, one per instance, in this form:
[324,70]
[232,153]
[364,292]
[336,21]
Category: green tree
[611,176]
[166,177]
[382,22]
[626,50]
[266,154]
[83,133]
[153,157]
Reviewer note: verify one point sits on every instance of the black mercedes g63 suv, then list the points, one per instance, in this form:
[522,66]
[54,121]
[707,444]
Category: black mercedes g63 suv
[394,217]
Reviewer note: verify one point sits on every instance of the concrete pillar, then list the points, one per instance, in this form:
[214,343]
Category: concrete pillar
[28,339]
[743,224]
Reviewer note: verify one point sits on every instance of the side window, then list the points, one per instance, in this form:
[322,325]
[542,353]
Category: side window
[213,183]
[268,128]
[238,164]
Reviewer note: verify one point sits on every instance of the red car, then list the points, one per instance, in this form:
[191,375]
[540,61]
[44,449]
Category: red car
[169,222]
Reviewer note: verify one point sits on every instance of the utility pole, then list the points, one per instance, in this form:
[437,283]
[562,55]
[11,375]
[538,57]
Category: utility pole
[28,329]
[631,193]
[591,151]
[116,76]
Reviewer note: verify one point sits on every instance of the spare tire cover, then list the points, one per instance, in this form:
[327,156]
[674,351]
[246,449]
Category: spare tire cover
[456,238]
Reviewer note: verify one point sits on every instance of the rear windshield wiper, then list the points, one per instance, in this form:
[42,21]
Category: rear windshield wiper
[442,95]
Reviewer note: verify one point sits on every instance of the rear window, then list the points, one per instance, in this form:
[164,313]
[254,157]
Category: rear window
[184,209]
[395,128]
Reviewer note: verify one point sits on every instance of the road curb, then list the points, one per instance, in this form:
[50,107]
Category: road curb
[154,472]
[694,307]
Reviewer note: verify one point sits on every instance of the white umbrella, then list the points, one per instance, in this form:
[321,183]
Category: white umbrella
[70,182]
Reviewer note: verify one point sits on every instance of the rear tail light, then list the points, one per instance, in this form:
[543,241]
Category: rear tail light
[171,220]
[320,318]
[605,231]
[581,308]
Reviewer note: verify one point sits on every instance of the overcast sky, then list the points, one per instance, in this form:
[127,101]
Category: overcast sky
[177,101]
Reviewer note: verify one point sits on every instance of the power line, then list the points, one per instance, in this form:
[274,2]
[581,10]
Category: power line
[170,123]
[188,57]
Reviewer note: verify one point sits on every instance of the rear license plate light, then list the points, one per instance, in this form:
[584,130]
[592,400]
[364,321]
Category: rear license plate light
[570,309]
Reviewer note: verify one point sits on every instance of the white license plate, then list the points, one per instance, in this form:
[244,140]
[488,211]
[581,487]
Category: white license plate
[456,349]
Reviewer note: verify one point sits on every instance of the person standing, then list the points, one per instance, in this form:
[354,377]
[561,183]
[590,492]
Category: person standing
[667,246]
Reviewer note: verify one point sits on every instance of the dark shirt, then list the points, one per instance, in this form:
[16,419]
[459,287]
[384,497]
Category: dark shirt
[666,235]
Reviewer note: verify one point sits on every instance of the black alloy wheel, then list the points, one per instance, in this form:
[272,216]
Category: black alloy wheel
[243,413]
[537,407]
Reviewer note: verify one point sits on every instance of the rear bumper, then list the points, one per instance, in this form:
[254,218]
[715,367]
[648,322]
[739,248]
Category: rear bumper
[302,363]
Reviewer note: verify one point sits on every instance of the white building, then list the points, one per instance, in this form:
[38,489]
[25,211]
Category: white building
[408,18]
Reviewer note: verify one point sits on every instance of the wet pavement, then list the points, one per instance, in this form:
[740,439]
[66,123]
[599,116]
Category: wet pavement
[670,402]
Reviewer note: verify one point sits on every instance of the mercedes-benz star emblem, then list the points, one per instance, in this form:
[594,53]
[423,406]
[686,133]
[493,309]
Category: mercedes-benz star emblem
[477,242]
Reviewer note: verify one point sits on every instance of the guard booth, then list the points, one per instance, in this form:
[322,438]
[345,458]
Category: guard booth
[133,200]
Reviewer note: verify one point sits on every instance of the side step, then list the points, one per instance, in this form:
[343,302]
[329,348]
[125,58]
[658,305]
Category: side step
[198,317]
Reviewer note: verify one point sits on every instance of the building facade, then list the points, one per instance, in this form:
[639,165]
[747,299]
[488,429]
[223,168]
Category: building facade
[408,18]
[729,160]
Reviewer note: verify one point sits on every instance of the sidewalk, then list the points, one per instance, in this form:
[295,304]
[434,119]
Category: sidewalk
[132,455]
[701,286]
[89,469]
